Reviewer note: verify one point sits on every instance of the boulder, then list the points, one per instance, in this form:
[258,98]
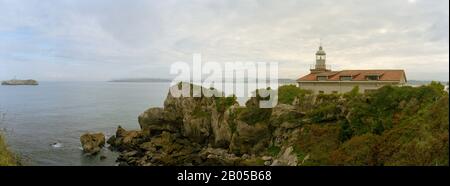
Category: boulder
[92,143]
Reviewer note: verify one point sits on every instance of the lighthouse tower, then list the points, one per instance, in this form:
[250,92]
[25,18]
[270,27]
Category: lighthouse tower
[320,65]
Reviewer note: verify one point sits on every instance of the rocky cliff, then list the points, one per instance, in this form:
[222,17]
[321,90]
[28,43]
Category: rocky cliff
[387,127]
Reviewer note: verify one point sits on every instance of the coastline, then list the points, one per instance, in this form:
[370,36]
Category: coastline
[302,130]
[7,158]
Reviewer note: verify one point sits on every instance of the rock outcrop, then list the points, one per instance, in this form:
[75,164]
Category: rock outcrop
[198,131]
[92,143]
[306,129]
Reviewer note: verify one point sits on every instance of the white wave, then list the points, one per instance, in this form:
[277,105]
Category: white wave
[57,145]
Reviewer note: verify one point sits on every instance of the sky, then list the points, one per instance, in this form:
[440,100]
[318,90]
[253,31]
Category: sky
[86,40]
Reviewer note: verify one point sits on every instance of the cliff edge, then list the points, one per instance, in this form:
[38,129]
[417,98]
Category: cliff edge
[391,126]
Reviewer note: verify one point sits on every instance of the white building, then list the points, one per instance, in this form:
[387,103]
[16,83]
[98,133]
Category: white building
[324,80]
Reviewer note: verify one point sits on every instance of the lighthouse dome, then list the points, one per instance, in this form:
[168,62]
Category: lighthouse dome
[320,51]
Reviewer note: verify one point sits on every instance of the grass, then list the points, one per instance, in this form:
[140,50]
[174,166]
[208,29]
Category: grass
[6,157]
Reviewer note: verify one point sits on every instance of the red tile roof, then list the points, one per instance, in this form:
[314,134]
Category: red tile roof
[358,75]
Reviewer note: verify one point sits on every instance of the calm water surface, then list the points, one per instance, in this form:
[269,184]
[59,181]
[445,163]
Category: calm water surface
[34,118]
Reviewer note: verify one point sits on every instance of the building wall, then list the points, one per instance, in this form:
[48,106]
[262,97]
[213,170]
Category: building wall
[344,86]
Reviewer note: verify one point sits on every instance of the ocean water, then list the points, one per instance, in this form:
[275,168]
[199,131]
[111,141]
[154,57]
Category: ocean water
[43,123]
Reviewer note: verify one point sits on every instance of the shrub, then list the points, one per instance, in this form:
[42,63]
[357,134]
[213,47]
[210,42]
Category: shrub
[360,150]
[317,141]
[255,115]
[287,93]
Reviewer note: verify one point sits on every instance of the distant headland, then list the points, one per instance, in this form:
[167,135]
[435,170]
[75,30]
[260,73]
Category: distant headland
[20,82]
[159,80]
[141,80]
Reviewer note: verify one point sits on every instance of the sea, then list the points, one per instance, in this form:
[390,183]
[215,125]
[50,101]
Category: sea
[43,123]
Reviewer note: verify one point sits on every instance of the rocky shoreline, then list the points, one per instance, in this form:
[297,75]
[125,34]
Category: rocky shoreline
[203,131]
[305,129]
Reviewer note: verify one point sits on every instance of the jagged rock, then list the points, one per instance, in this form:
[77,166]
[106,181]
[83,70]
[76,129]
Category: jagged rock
[286,158]
[197,128]
[152,122]
[252,139]
[163,149]
[192,113]
[221,126]
[92,143]
[193,131]
[125,139]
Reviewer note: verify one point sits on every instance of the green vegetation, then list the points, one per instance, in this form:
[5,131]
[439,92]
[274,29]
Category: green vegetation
[317,142]
[255,115]
[389,126]
[273,150]
[287,93]
[6,157]
[252,113]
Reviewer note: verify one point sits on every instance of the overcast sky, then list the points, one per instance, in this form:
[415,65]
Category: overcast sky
[107,39]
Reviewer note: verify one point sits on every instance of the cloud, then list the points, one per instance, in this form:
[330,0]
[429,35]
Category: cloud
[61,39]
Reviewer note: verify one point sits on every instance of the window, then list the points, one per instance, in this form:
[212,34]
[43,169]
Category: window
[322,78]
[321,92]
[372,78]
[345,78]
